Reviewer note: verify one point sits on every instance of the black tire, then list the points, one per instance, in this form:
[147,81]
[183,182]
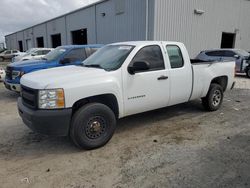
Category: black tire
[92,126]
[214,98]
[248,72]
[1,59]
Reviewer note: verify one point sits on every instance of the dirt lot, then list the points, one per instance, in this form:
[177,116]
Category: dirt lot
[181,146]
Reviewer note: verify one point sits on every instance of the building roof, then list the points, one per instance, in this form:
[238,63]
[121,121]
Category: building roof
[77,10]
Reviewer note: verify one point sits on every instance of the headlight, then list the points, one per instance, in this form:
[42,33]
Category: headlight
[51,99]
[15,74]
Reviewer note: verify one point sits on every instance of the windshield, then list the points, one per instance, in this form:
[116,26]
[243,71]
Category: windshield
[54,54]
[242,53]
[109,57]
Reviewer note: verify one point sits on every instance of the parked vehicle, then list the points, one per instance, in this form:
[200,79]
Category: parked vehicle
[2,50]
[34,53]
[119,80]
[241,57]
[2,74]
[9,54]
[61,56]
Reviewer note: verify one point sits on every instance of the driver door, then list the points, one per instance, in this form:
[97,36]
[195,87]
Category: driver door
[148,89]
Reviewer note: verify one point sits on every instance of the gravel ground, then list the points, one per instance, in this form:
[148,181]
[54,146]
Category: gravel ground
[180,146]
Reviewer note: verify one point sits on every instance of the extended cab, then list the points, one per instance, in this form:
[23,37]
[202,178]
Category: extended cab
[119,80]
[61,56]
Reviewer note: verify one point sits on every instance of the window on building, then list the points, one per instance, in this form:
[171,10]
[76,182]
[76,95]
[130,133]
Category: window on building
[56,40]
[119,6]
[175,56]
[79,37]
[40,42]
[152,55]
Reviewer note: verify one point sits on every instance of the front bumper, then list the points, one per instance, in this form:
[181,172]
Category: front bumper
[13,87]
[47,122]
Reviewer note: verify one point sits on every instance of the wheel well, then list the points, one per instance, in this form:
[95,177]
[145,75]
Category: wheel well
[107,99]
[222,81]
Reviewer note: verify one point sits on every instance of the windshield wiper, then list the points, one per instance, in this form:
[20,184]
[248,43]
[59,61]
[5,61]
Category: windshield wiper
[94,66]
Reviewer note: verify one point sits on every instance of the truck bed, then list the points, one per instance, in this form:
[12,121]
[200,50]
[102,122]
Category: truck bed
[205,71]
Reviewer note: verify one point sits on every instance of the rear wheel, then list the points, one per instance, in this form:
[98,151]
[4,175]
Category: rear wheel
[214,98]
[92,126]
[1,59]
[248,72]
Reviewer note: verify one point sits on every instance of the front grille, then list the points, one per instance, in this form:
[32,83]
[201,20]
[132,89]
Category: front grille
[9,73]
[29,97]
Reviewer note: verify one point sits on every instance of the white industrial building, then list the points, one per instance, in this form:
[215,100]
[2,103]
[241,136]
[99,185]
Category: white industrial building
[200,24]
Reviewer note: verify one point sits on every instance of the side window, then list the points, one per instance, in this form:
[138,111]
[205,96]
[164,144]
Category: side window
[175,56]
[229,54]
[14,51]
[152,55]
[43,52]
[93,50]
[216,53]
[8,52]
[76,55]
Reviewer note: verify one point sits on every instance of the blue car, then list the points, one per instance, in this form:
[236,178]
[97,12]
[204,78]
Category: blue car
[61,56]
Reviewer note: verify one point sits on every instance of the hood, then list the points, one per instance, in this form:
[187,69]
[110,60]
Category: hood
[58,77]
[29,63]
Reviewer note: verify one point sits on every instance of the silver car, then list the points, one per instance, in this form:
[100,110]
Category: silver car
[8,54]
[241,57]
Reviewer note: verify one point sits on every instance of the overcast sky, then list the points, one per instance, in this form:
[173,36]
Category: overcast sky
[19,14]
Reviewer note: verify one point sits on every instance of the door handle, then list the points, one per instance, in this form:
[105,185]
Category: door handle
[163,78]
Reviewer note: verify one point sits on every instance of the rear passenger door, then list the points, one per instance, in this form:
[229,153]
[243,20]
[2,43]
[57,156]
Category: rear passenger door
[181,75]
[146,90]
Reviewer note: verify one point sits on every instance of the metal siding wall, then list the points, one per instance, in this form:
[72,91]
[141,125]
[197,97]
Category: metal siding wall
[130,25]
[81,20]
[56,26]
[28,35]
[40,31]
[175,20]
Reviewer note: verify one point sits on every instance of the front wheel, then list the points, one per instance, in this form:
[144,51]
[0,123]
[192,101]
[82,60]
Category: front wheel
[214,98]
[92,126]
[1,59]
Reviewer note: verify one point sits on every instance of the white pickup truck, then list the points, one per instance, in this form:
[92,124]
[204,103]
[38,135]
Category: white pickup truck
[119,80]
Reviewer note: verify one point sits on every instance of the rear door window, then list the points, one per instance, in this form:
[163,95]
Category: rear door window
[216,53]
[175,56]
[229,54]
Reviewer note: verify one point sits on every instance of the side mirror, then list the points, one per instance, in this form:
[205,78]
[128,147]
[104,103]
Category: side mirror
[236,56]
[138,66]
[65,61]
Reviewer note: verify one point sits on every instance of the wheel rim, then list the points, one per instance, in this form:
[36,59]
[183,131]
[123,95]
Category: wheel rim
[96,127]
[248,72]
[217,96]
